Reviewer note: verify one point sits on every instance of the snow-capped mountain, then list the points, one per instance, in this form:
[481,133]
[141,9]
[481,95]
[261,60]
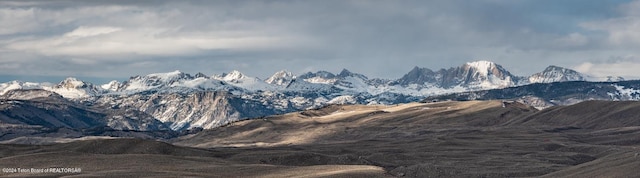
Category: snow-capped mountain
[19,85]
[472,75]
[205,109]
[281,78]
[556,74]
[30,94]
[175,81]
[485,74]
[51,110]
[183,101]
[322,77]
[112,86]
[74,88]
[421,76]
[543,95]
[346,80]
[155,81]
[69,88]
[238,79]
[350,80]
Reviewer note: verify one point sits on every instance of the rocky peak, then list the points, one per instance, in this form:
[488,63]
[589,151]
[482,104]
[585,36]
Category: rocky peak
[346,73]
[200,75]
[556,74]
[418,75]
[472,75]
[482,75]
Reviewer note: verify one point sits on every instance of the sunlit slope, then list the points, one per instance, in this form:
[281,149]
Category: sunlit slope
[349,123]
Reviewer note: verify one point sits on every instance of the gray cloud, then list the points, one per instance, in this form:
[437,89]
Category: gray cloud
[379,38]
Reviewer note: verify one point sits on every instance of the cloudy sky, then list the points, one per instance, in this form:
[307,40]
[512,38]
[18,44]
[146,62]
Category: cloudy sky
[102,40]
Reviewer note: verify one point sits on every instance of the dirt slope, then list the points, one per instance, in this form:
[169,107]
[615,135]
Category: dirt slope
[444,139]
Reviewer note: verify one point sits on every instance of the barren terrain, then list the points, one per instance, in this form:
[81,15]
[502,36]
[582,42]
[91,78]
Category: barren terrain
[444,139]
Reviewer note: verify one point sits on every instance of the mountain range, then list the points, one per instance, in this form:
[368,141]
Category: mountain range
[181,101]
[544,95]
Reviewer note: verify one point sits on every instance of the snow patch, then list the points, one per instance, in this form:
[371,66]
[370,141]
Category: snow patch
[627,93]
[482,66]
[345,99]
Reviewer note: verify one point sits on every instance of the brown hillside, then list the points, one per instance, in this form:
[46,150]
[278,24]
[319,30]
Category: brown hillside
[588,114]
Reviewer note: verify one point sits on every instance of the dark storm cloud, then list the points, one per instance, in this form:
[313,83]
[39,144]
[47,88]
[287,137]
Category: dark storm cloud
[378,38]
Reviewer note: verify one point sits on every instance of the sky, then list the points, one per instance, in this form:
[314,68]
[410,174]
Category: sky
[98,41]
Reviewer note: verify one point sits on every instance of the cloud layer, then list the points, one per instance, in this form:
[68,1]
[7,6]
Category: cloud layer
[117,39]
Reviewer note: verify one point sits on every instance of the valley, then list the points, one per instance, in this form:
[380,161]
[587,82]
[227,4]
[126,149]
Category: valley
[441,139]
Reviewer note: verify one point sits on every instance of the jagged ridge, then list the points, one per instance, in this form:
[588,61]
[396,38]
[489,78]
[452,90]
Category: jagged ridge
[183,101]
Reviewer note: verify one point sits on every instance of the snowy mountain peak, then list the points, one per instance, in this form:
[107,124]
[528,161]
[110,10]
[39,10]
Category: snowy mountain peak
[486,75]
[471,75]
[154,81]
[322,77]
[346,73]
[283,74]
[238,79]
[321,74]
[73,88]
[485,67]
[69,88]
[281,78]
[169,76]
[232,76]
[556,74]
[17,85]
[114,85]
[481,64]
[29,94]
[71,82]
[419,70]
